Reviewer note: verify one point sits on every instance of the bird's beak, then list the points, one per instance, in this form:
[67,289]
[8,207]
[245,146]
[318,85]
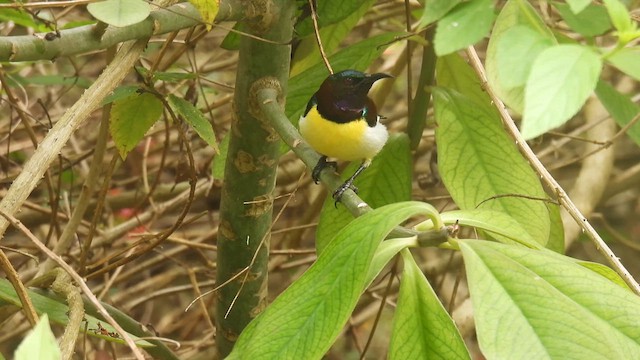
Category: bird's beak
[377,76]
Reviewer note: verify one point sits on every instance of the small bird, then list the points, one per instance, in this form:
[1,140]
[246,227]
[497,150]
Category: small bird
[342,122]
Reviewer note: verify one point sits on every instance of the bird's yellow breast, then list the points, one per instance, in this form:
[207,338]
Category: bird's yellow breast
[354,140]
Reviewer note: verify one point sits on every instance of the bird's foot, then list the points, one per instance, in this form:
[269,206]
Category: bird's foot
[322,163]
[337,195]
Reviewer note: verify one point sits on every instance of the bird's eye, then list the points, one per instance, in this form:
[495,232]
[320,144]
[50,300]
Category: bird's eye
[349,81]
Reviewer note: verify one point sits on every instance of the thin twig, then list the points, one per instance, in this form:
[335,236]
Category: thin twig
[551,183]
[316,30]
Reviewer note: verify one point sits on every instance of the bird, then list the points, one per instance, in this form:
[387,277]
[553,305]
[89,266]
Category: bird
[342,122]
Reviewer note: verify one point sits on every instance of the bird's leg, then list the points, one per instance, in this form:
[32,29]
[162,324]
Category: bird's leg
[322,163]
[349,183]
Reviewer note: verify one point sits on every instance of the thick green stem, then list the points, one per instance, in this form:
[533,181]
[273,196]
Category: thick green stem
[247,194]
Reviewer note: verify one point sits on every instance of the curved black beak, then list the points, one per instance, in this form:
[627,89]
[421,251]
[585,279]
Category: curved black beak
[377,76]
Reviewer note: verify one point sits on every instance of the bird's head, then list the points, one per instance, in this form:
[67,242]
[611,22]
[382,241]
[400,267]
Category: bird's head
[349,84]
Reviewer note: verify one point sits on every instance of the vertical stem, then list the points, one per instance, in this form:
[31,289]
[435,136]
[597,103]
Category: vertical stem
[247,194]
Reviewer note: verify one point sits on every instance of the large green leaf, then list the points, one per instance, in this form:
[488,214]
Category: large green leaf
[120,13]
[561,80]
[476,158]
[514,13]
[386,181]
[465,25]
[532,304]
[621,108]
[131,118]
[306,318]
[422,328]
[39,344]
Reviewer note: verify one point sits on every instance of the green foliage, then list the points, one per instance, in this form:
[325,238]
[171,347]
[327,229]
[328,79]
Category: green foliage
[436,9]
[307,53]
[131,118]
[120,12]
[621,108]
[40,343]
[422,328]
[562,78]
[309,315]
[592,21]
[195,118]
[514,13]
[57,310]
[477,160]
[554,307]
[465,25]
[627,61]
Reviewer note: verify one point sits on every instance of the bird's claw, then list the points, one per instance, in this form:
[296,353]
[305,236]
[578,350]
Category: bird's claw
[337,195]
[322,163]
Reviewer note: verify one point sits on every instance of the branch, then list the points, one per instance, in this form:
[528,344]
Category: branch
[267,99]
[546,177]
[95,37]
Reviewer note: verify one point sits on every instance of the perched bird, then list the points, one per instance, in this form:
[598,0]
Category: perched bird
[342,122]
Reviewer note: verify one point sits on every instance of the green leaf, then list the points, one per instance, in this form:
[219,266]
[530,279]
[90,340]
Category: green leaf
[465,25]
[195,118]
[22,18]
[604,271]
[232,40]
[120,13]
[329,12]
[208,10]
[591,21]
[307,53]
[57,310]
[556,231]
[621,108]
[541,305]
[516,50]
[218,163]
[476,158]
[422,328]
[627,60]
[514,13]
[131,117]
[306,318]
[496,222]
[578,5]
[436,9]
[358,57]
[386,181]
[561,80]
[121,92]
[619,16]
[39,344]
[385,252]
